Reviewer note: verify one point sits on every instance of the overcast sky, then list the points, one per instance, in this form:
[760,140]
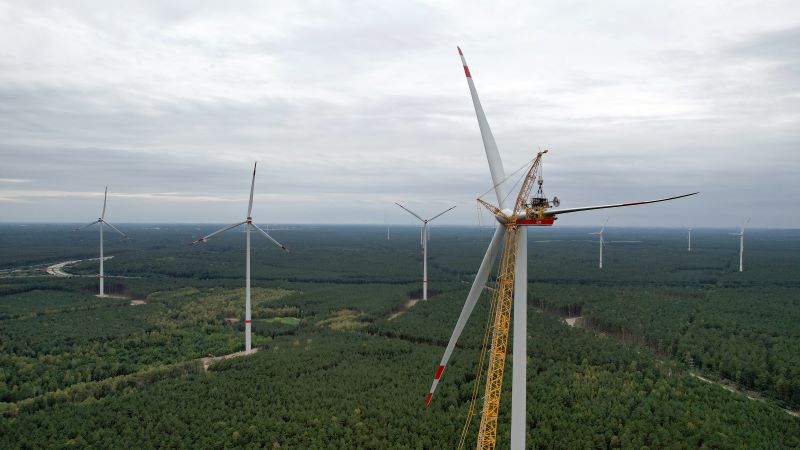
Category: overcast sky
[350,106]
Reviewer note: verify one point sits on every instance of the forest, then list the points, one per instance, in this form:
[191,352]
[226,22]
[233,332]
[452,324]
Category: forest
[669,349]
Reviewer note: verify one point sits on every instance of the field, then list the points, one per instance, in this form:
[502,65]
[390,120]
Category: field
[669,349]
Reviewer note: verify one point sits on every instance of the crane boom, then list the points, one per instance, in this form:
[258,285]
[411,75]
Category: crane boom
[527,185]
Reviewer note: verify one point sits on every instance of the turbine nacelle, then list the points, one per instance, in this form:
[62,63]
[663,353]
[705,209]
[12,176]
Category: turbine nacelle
[529,217]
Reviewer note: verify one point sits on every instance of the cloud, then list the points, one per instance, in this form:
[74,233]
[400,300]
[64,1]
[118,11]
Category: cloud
[349,106]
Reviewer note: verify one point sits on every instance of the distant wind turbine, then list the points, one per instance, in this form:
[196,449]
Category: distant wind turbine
[741,244]
[602,243]
[424,236]
[101,220]
[248,222]
[690,238]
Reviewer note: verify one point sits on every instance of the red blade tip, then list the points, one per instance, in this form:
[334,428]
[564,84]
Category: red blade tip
[459,51]
[428,400]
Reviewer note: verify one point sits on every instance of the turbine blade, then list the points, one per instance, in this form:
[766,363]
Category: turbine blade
[86,226]
[226,228]
[252,186]
[554,212]
[489,145]
[446,210]
[469,305]
[604,225]
[745,224]
[115,229]
[105,197]
[410,211]
[270,237]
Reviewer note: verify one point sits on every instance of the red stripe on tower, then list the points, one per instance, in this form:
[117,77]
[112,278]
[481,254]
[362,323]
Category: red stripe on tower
[428,400]
[247,321]
[439,372]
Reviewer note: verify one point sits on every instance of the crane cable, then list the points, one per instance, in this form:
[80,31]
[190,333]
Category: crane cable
[506,179]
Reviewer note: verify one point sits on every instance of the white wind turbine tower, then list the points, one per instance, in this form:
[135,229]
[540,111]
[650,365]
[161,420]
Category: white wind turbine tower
[602,243]
[690,238]
[741,244]
[248,223]
[101,220]
[424,237]
[537,214]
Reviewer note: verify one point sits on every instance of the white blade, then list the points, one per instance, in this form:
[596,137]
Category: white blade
[492,154]
[469,305]
[446,210]
[553,212]
[410,211]
[270,237]
[205,238]
[604,225]
[745,224]
[105,197]
[86,226]
[115,229]
[252,186]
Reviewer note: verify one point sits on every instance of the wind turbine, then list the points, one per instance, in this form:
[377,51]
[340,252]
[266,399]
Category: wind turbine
[513,280]
[424,237]
[102,221]
[248,223]
[741,244]
[690,238]
[602,243]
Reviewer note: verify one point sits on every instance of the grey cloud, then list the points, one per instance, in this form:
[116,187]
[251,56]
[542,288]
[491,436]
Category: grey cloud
[350,106]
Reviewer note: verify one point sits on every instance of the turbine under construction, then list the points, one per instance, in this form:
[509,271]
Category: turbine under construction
[512,286]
